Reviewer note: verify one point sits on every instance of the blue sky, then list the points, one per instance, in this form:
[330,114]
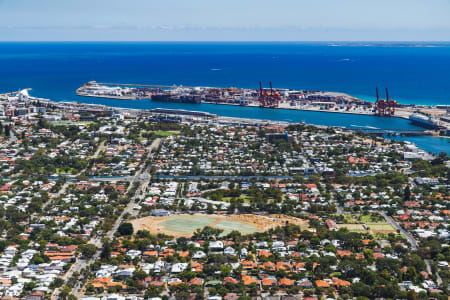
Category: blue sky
[225,20]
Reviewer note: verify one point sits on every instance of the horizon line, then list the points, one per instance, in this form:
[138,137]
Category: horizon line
[221,41]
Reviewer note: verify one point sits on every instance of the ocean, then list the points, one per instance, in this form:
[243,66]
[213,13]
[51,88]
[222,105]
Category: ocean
[413,73]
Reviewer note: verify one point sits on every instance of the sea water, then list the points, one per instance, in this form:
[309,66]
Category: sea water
[414,73]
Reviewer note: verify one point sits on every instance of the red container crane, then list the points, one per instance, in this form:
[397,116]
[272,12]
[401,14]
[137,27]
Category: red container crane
[385,108]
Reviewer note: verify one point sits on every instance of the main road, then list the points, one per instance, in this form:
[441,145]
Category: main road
[407,235]
[140,193]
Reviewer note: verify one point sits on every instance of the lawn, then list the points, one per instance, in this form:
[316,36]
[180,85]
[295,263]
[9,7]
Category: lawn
[381,228]
[360,218]
[374,228]
[244,197]
[165,133]
[352,227]
[64,171]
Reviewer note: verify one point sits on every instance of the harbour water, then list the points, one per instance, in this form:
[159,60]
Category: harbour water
[414,74]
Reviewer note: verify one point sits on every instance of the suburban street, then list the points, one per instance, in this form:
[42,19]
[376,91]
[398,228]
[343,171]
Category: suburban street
[409,237]
[430,271]
[96,240]
[63,188]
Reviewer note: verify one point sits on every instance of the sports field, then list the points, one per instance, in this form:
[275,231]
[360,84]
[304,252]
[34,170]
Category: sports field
[353,227]
[185,225]
[373,228]
[381,228]
[188,224]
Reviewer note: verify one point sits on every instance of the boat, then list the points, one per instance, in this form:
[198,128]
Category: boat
[193,99]
[424,121]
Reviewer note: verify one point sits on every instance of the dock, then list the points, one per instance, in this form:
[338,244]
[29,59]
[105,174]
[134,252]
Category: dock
[271,98]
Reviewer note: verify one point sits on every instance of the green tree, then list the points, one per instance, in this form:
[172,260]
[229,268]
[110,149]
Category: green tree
[411,273]
[412,295]
[64,294]
[207,233]
[407,193]
[106,251]
[88,250]
[126,229]
[139,275]
[7,131]
[58,282]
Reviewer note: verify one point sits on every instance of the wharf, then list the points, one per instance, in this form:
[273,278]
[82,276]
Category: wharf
[83,94]
[289,99]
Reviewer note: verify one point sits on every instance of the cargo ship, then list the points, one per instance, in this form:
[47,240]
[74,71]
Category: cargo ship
[94,89]
[424,121]
[192,99]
